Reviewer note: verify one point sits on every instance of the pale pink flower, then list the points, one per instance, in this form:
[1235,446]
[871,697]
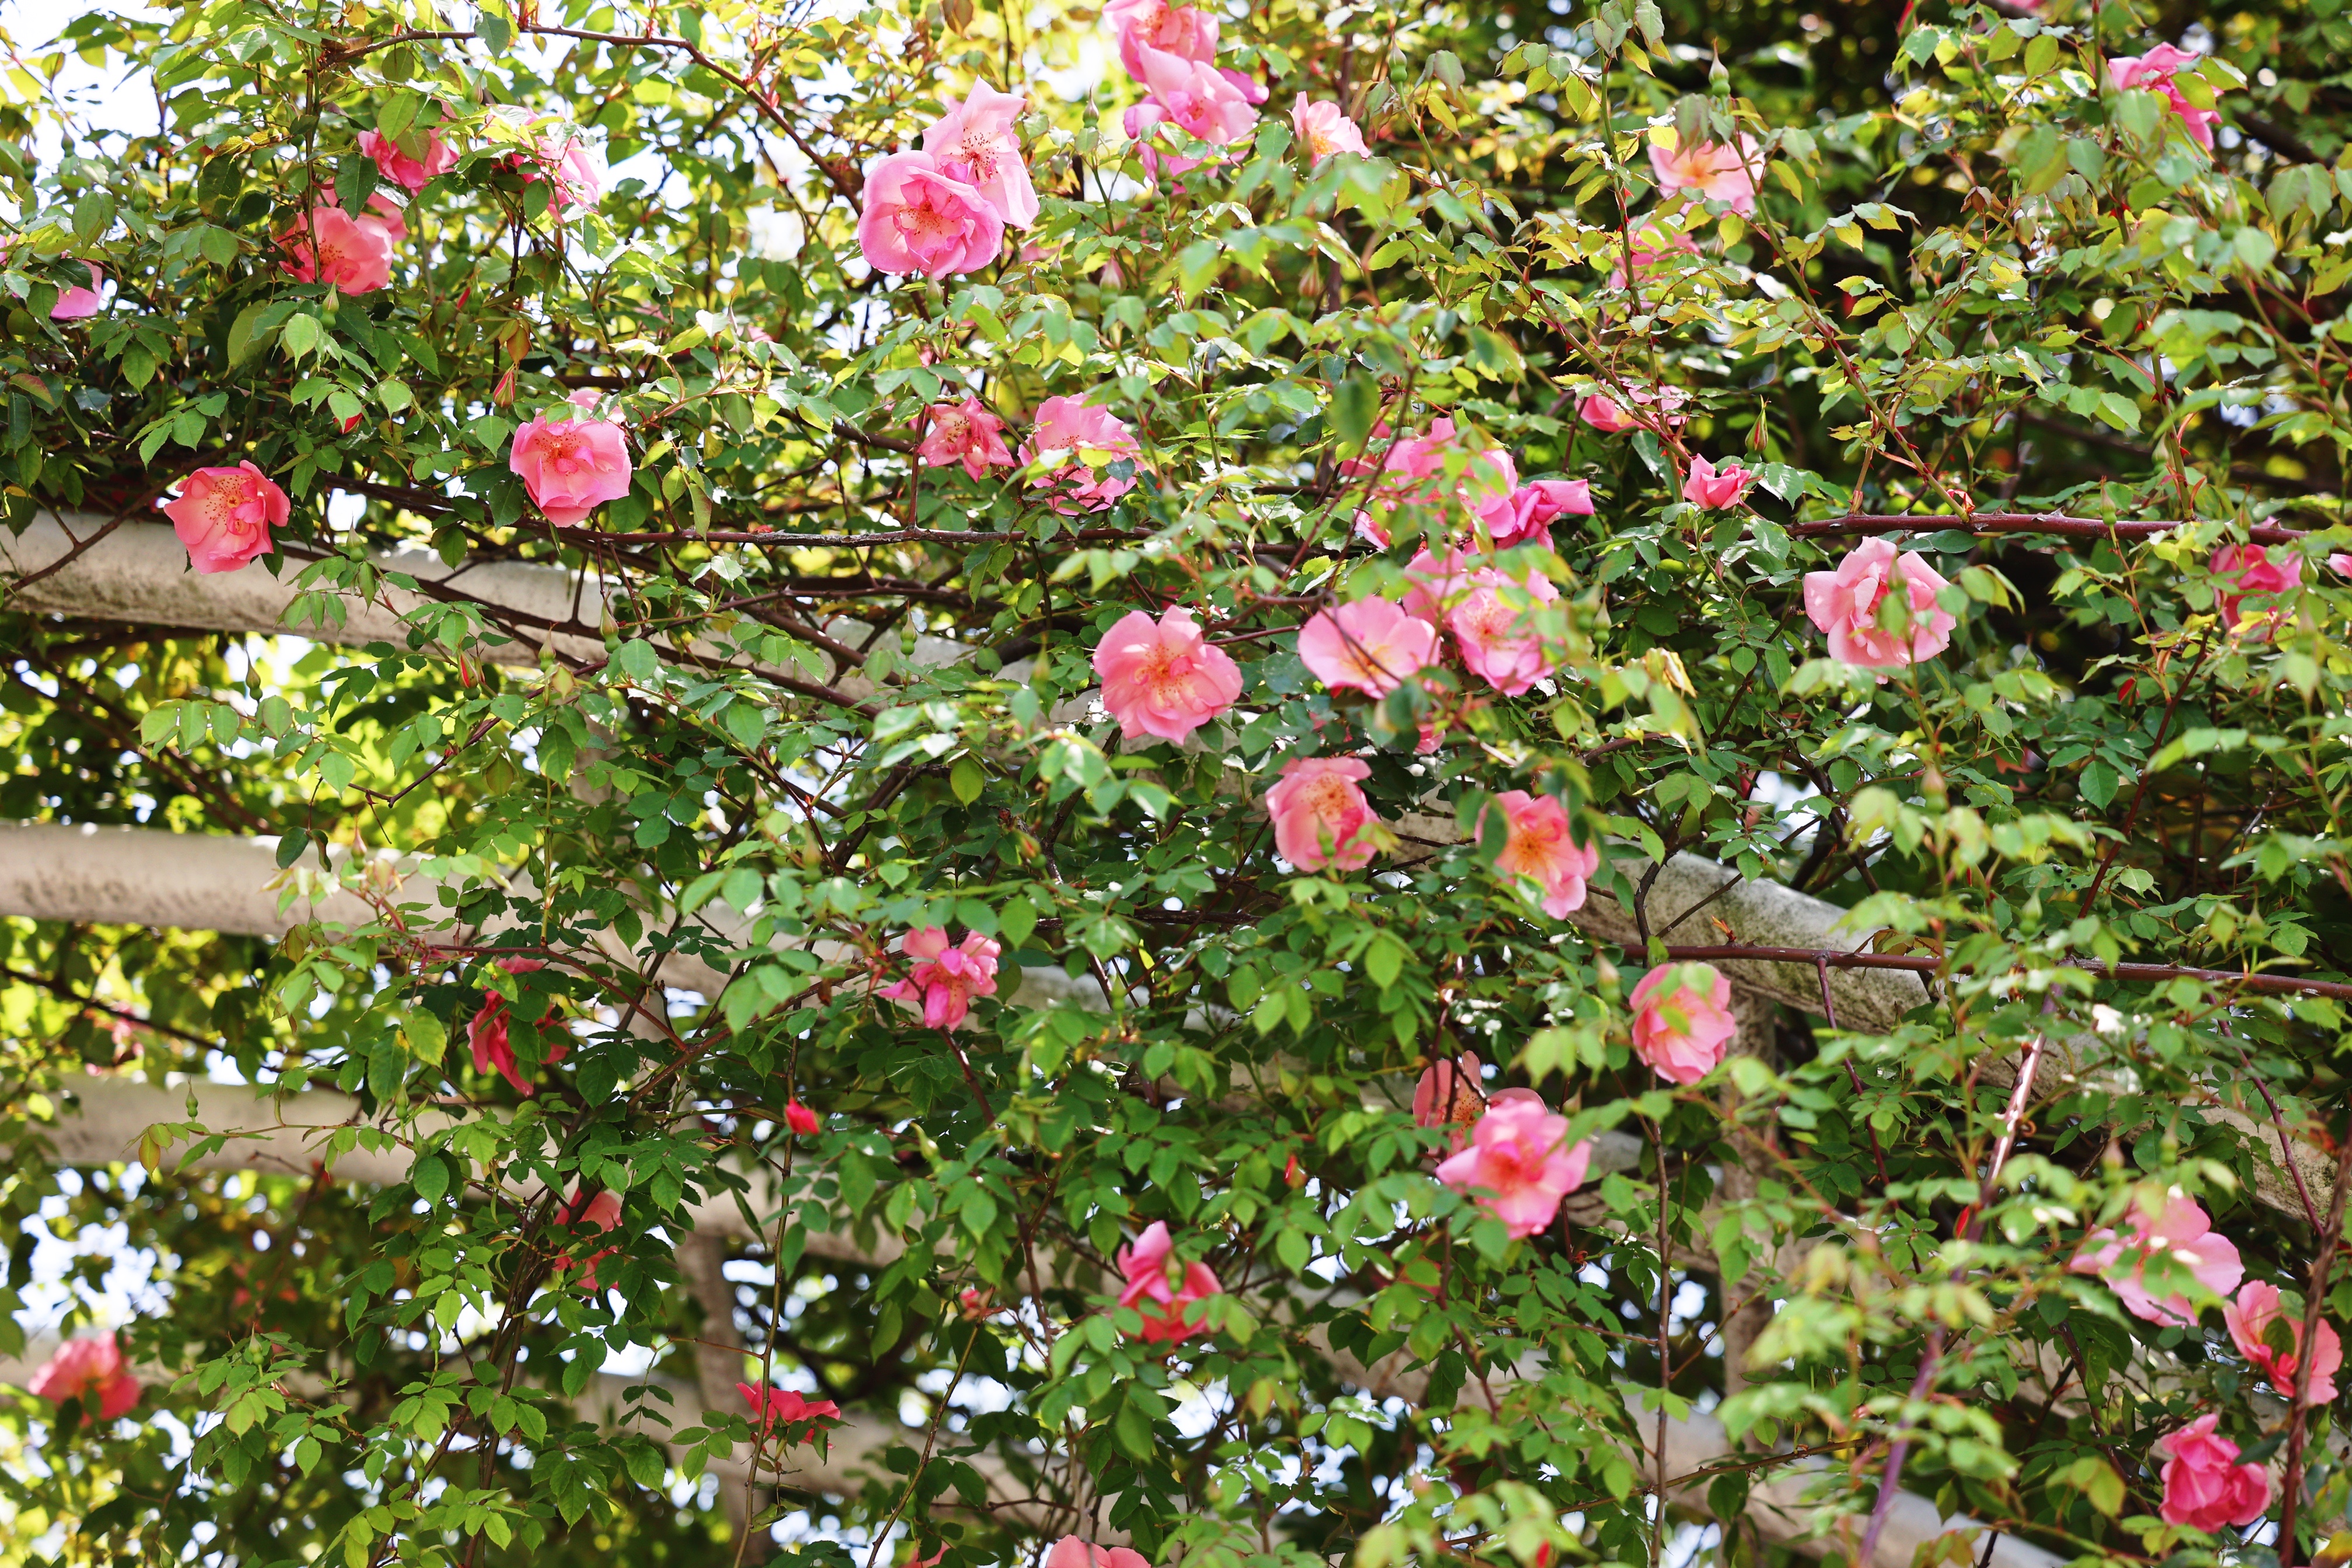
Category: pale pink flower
[91,1371]
[1080,429]
[787,1407]
[354,254]
[1435,583]
[2250,1318]
[1320,815]
[2205,1487]
[945,979]
[1650,243]
[1491,628]
[2153,72]
[1604,415]
[1524,515]
[559,155]
[1717,171]
[387,212]
[1195,97]
[1542,849]
[600,1213]
[1146,1267]
[1072,1553]
[2185,1232]
[487,1035]
[1162,678]
[969,433]
[1252,89]
[2253,574]
[1659,410]
[1845,603]
[1324,129]
[409,174]
[2340,563]
[1369,646]
[1683,1020]
[920,218]
[1448,1094]
[800,1118]
[1519,1163]
[1187,32]
[572,464]
[1709,486]
[75,301]
[1437,468]
[224,516]
[975,143]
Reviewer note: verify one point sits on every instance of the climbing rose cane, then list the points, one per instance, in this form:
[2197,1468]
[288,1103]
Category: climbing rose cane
[224,516]
[1519,1163]
[945,978]
[570,464]
[1683,1020]
[2205,1487]
[1161,679]
[91,1371]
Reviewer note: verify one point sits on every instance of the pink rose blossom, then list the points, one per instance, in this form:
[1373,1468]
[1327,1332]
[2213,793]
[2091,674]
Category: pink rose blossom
[1490,627]
[409,174]
[1369,646]
[920,218]
[1323,129]
[2205,1487]
[91,1371]
[1651,244]
[945,979]
[1072,1553]
[570,464]
[1519,1163]
[1187,32]
[2252,576]
[1320,815]
[1191,95]
[974,142]
[1845,603]
[599,1213]
[1146,1267]
[1437,584]
[75,301]
[1709,486]
[558,154]
[1607,416]
[1683,1020]
[800,1118]
[2250,1318]
[1448,1094]
[1071,426]
[967,433]
[224,516]
[2340,563]
[2182,1230]
[2153,72]
[1161,677]
[487,1035]
[1436,468]
[788,1408]
[1524,517]
[1542,849]
[1717,171]
[353,254]
[1253,90]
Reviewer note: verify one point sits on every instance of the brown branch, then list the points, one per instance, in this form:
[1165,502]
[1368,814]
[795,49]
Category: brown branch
[2140,973]
[2299,1397]
[1988,525]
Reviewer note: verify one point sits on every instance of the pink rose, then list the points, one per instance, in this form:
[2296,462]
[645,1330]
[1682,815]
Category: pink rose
[2253,574]
[1068,424]
[1320,814]
[599,1213]
[1845,603]
[1448,1093]
[409,174]
[1185,31]
[91,1371]
[1683,1020]
[1369,646]
[1542,849]
[2185,1233]
[1709,486]
[1438,468]
[1608,416]
[353,254]
[1161,677]
[487,1035]
[2251,1319]
[945,979]
[1524,517]
[967,433]
[75,301]
[1650,243]
[1324,129]
[561,156]
[2205,1487]
[570,464]
[920,218]
[224,516]
[1604,415]
[1717,171]
[1437,584]
[2153,72]
[2340,563]
[1489,627]
[1193,96]
[1519,1163]
[974,142]
[787,1407]
[1146,1267]
[799,1118]
[1072,1553]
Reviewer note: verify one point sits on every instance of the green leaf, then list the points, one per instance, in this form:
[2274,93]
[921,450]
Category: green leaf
[1355,409]
[967,779]
[430,1177]
[93,216]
